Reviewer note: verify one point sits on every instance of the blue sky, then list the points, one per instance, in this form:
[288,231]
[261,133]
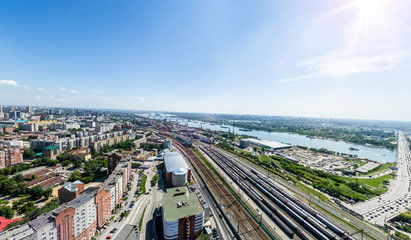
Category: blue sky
[318,58]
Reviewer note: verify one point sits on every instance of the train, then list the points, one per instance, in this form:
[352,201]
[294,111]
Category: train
[317,225]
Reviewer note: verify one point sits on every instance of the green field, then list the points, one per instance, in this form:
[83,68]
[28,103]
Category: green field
[357,189]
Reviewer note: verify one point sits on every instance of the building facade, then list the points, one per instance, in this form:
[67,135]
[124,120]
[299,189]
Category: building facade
[10,155]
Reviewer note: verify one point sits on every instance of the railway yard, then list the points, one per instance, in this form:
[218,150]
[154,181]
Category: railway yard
[285,216]
[247,227]
[291,215]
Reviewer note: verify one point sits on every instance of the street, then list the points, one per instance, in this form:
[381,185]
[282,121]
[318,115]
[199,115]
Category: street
[378,209]
[146,201]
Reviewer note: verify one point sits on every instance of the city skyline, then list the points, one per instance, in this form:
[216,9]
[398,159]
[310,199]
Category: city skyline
[282,58]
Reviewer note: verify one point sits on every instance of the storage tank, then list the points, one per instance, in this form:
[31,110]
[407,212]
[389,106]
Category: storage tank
[179,177]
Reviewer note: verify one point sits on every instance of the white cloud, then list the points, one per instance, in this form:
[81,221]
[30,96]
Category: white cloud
[73,91]
[95,90]
[348,63]
[140,100]
[27,88]
[62,89]
[40,89]
[297,78]
[9,82]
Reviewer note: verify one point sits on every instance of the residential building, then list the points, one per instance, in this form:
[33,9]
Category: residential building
[10,155]
[70,191]
[85,217]
[82,153]
[51,151]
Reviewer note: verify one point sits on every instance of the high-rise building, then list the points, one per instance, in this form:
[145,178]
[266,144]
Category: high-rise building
[1,112]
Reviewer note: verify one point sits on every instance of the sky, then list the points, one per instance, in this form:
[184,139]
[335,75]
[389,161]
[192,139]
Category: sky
[315,58]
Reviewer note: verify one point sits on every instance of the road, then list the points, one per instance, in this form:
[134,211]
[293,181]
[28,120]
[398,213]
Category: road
[378,209]
[136,212]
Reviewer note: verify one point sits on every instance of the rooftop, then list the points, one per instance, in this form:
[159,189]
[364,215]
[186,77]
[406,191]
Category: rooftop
[52,147]
[174,161]
[71,186]
[178,203]
[367,167]
[269,143]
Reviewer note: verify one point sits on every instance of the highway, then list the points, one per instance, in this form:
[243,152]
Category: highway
[398,197]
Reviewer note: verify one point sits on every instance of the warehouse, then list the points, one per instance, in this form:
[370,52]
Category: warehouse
[272,145]
[177,170]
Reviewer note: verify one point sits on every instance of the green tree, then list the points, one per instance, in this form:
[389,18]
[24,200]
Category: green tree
[36,192]
[75,175]
[65,163]
[28,153]
[48,192]
[18,177]
[6,212]
[77,163]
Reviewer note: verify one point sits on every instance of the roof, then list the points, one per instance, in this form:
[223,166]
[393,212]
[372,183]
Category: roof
[71,186]
[367,167]
[4,222]
[269,143]
[174,161]
[128,232]
[80,201]
[180,171]
[52,147]
[177,195]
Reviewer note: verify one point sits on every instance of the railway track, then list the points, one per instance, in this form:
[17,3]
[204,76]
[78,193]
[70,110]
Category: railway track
[246,225]
[310,220]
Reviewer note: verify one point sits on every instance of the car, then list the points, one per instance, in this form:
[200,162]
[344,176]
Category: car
[131,205]
[121,219]
[108,237]
[113,230]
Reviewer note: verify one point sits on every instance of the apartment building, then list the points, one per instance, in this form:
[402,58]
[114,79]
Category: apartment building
[10,155]
[79,218]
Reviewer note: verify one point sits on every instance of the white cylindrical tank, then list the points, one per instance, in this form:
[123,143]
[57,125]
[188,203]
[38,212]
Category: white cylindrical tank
[179,177]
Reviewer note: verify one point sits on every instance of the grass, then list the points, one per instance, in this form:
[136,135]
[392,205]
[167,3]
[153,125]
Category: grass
[401,235]
[204,236]
[140,223]
[337,186]
[372,182]
[142,189]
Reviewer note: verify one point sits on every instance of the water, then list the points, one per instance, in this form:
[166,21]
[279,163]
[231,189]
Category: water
[373,153]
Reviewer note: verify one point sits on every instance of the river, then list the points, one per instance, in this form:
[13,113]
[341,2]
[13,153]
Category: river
[382,155]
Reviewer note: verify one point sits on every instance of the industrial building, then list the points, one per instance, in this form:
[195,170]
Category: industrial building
[183,214]
[177,171]
[271,145]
